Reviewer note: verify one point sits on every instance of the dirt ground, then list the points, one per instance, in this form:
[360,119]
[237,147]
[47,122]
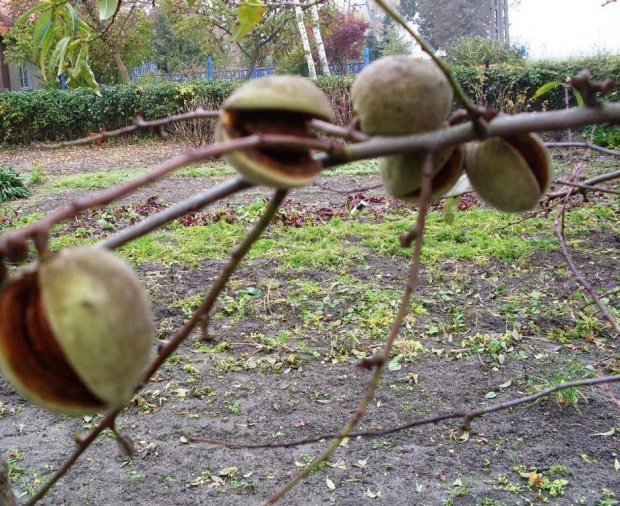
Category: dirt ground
[251,386]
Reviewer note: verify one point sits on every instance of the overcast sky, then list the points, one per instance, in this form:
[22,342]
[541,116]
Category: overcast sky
[559,28]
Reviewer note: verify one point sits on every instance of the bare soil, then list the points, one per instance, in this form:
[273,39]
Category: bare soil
[252,392]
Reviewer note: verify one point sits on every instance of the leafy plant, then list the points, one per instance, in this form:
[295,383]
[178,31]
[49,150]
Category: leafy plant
[12,185]
[472,51]
[605,136]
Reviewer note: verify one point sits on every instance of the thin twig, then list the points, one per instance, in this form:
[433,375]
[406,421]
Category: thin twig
[465,415]
[194,203]
[602,296]
[139,124]
[379,359]
[582,281]
[583,186]
[338,131]
[235,258]
[207,304]
[501,126]
[42,227]
[559,232]
[587,145]
[610,176]
[347,192]
[106,423]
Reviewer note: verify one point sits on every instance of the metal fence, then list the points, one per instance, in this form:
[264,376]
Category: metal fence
[151,68]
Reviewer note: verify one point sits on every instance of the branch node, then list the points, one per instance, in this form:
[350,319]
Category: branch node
[372,362]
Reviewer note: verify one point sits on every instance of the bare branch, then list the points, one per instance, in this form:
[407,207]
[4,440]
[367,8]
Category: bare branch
[139,124]
[583,186]
[337,131]
[587,145]
[203,310]
[379,359]
[559,232]
[189,205]
[465,415]
[500,126]
[42,227]
[107,423]
[348,192]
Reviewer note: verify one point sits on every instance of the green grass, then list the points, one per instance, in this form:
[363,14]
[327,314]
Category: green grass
[360,168]
[107,179]
[93,180]
[210,171]
[476,236]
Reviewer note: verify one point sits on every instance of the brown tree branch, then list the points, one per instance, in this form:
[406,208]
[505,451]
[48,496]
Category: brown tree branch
[337,131]
[379,359]
[559,232]
[501,126]
[467,416]
[194,203]
[107,423]
[587,145]
[40,229]
[203,310]
[583,186]
[139,124]
[348,192]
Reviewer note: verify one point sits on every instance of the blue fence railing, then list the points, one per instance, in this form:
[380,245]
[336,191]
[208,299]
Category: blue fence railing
[150,68]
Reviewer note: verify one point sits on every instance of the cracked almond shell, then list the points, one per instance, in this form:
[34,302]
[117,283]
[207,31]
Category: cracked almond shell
[400,95]
[510,174]
[402,174]
[274,105]
[75,334]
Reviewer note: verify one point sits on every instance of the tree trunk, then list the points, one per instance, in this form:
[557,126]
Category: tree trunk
[122,70]
[93,13]
[251,59]
[304,40]
[316,29]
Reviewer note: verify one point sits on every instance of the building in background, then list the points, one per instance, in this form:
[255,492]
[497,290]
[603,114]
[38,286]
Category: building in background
[15,77]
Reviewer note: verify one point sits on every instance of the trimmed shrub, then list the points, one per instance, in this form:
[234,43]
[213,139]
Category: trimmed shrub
[54,115]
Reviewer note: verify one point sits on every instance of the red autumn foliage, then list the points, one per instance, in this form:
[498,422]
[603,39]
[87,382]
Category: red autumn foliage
[344,36]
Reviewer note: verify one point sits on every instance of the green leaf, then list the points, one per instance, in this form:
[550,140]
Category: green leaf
[45,49]
[74,19]
[41,30]
[191,3]
[394,364]
[31,11]
[89,77]
[58,56]
[578,97]
[77,66]
[449,208]
[107,8]
[546,88]
[249,15]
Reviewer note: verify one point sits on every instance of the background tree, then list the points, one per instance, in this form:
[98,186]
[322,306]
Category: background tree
[442,21]
[111,49]
[473,51]
[212,24]
[345,37]
[133,35]
[393,42]
[174,52]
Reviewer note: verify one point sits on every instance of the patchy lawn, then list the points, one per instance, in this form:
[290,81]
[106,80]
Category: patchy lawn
[497,316]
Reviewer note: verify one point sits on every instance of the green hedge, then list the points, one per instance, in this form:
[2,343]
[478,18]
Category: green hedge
[512,87]
[53,115]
